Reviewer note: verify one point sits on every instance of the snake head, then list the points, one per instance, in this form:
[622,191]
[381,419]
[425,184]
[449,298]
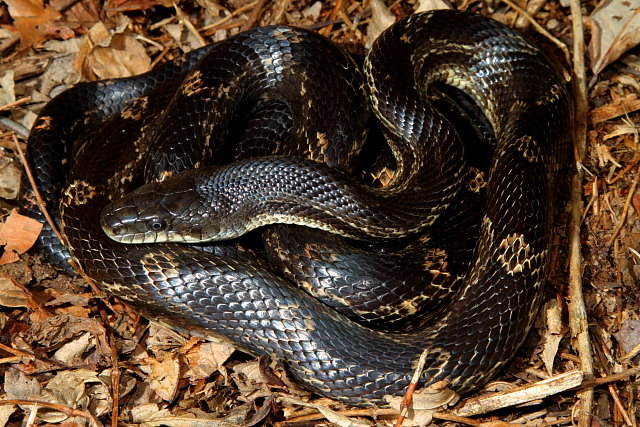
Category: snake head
[152,213]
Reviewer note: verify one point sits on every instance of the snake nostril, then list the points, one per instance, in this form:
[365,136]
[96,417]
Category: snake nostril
[116,231]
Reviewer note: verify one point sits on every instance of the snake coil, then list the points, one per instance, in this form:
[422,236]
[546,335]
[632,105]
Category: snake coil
[226,294]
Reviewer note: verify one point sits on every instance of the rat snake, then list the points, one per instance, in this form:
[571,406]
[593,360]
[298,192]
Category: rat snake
[115,132]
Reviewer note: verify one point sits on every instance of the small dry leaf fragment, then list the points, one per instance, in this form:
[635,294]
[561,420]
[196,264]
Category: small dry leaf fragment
[17,385]
[7,85]
[629,334]
[164,376]
[36,22]
[381,19]
[616,29]
[206,358]
[425,402]
[69,388]
[427,5]
[12,295]
[552,334]
[18,234]
[109,54]
[73,350]
[64,327]
[329,414]
[10,177]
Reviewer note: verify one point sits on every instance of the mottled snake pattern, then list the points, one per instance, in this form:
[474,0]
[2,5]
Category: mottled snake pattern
[98,141]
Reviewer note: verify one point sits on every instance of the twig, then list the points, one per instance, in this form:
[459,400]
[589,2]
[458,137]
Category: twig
[456,418]
[187,23]
[519,395]
[411,388]
[616,401]
[14,126]
[229,17]
[253,17]
[115,368]
[625,210]
[68,411]
[541,29]
[15,103]
[39,200]
[578,321]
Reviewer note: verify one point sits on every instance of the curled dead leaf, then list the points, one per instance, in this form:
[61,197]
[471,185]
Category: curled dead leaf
[18,234]
[616,29]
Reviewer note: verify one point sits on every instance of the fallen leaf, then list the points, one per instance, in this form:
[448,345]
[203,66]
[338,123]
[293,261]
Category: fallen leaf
[427,5]
[36,22]
[629,335]
[206,358]
[332,416]
[7,85]
[17,385]
[616,29]
[18,234]
[10,178]
[164,376]
[69,388]
[381,19]
[12,295]
[552,334]
[73,350]
[426,402]
[108,54]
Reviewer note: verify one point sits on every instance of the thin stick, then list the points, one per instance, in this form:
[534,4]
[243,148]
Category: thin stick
[187,23]
[578,321]
[411,388]
[456,418]
[39,200]
[115,368]
[60,408]
[253,17]
[15,103]
[625,210]
[229,17]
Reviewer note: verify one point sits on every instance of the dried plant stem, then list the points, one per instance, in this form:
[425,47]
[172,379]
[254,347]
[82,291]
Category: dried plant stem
[577,312]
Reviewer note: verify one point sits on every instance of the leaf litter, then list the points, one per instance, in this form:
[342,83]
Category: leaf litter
[59,338]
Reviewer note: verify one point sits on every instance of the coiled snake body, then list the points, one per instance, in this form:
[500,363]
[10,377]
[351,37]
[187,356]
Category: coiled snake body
[228,295]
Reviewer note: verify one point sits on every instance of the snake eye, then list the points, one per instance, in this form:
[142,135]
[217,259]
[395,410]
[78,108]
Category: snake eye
[156,224]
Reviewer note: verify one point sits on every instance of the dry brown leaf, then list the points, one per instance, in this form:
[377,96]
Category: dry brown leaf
[35,22]
[128,5]
[17,385]
[12,295]
[552,334]
[164,376]
[69,388]
[616,29]
[381,19]
[190,418]
[64,327]
[109,54]
[10,177]
[18,234]
[425,403]
[73,350]
[427,5]
[329,414]
[206,358]
[7,88]
[629,334]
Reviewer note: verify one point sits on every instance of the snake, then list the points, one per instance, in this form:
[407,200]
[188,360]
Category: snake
[95,144]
